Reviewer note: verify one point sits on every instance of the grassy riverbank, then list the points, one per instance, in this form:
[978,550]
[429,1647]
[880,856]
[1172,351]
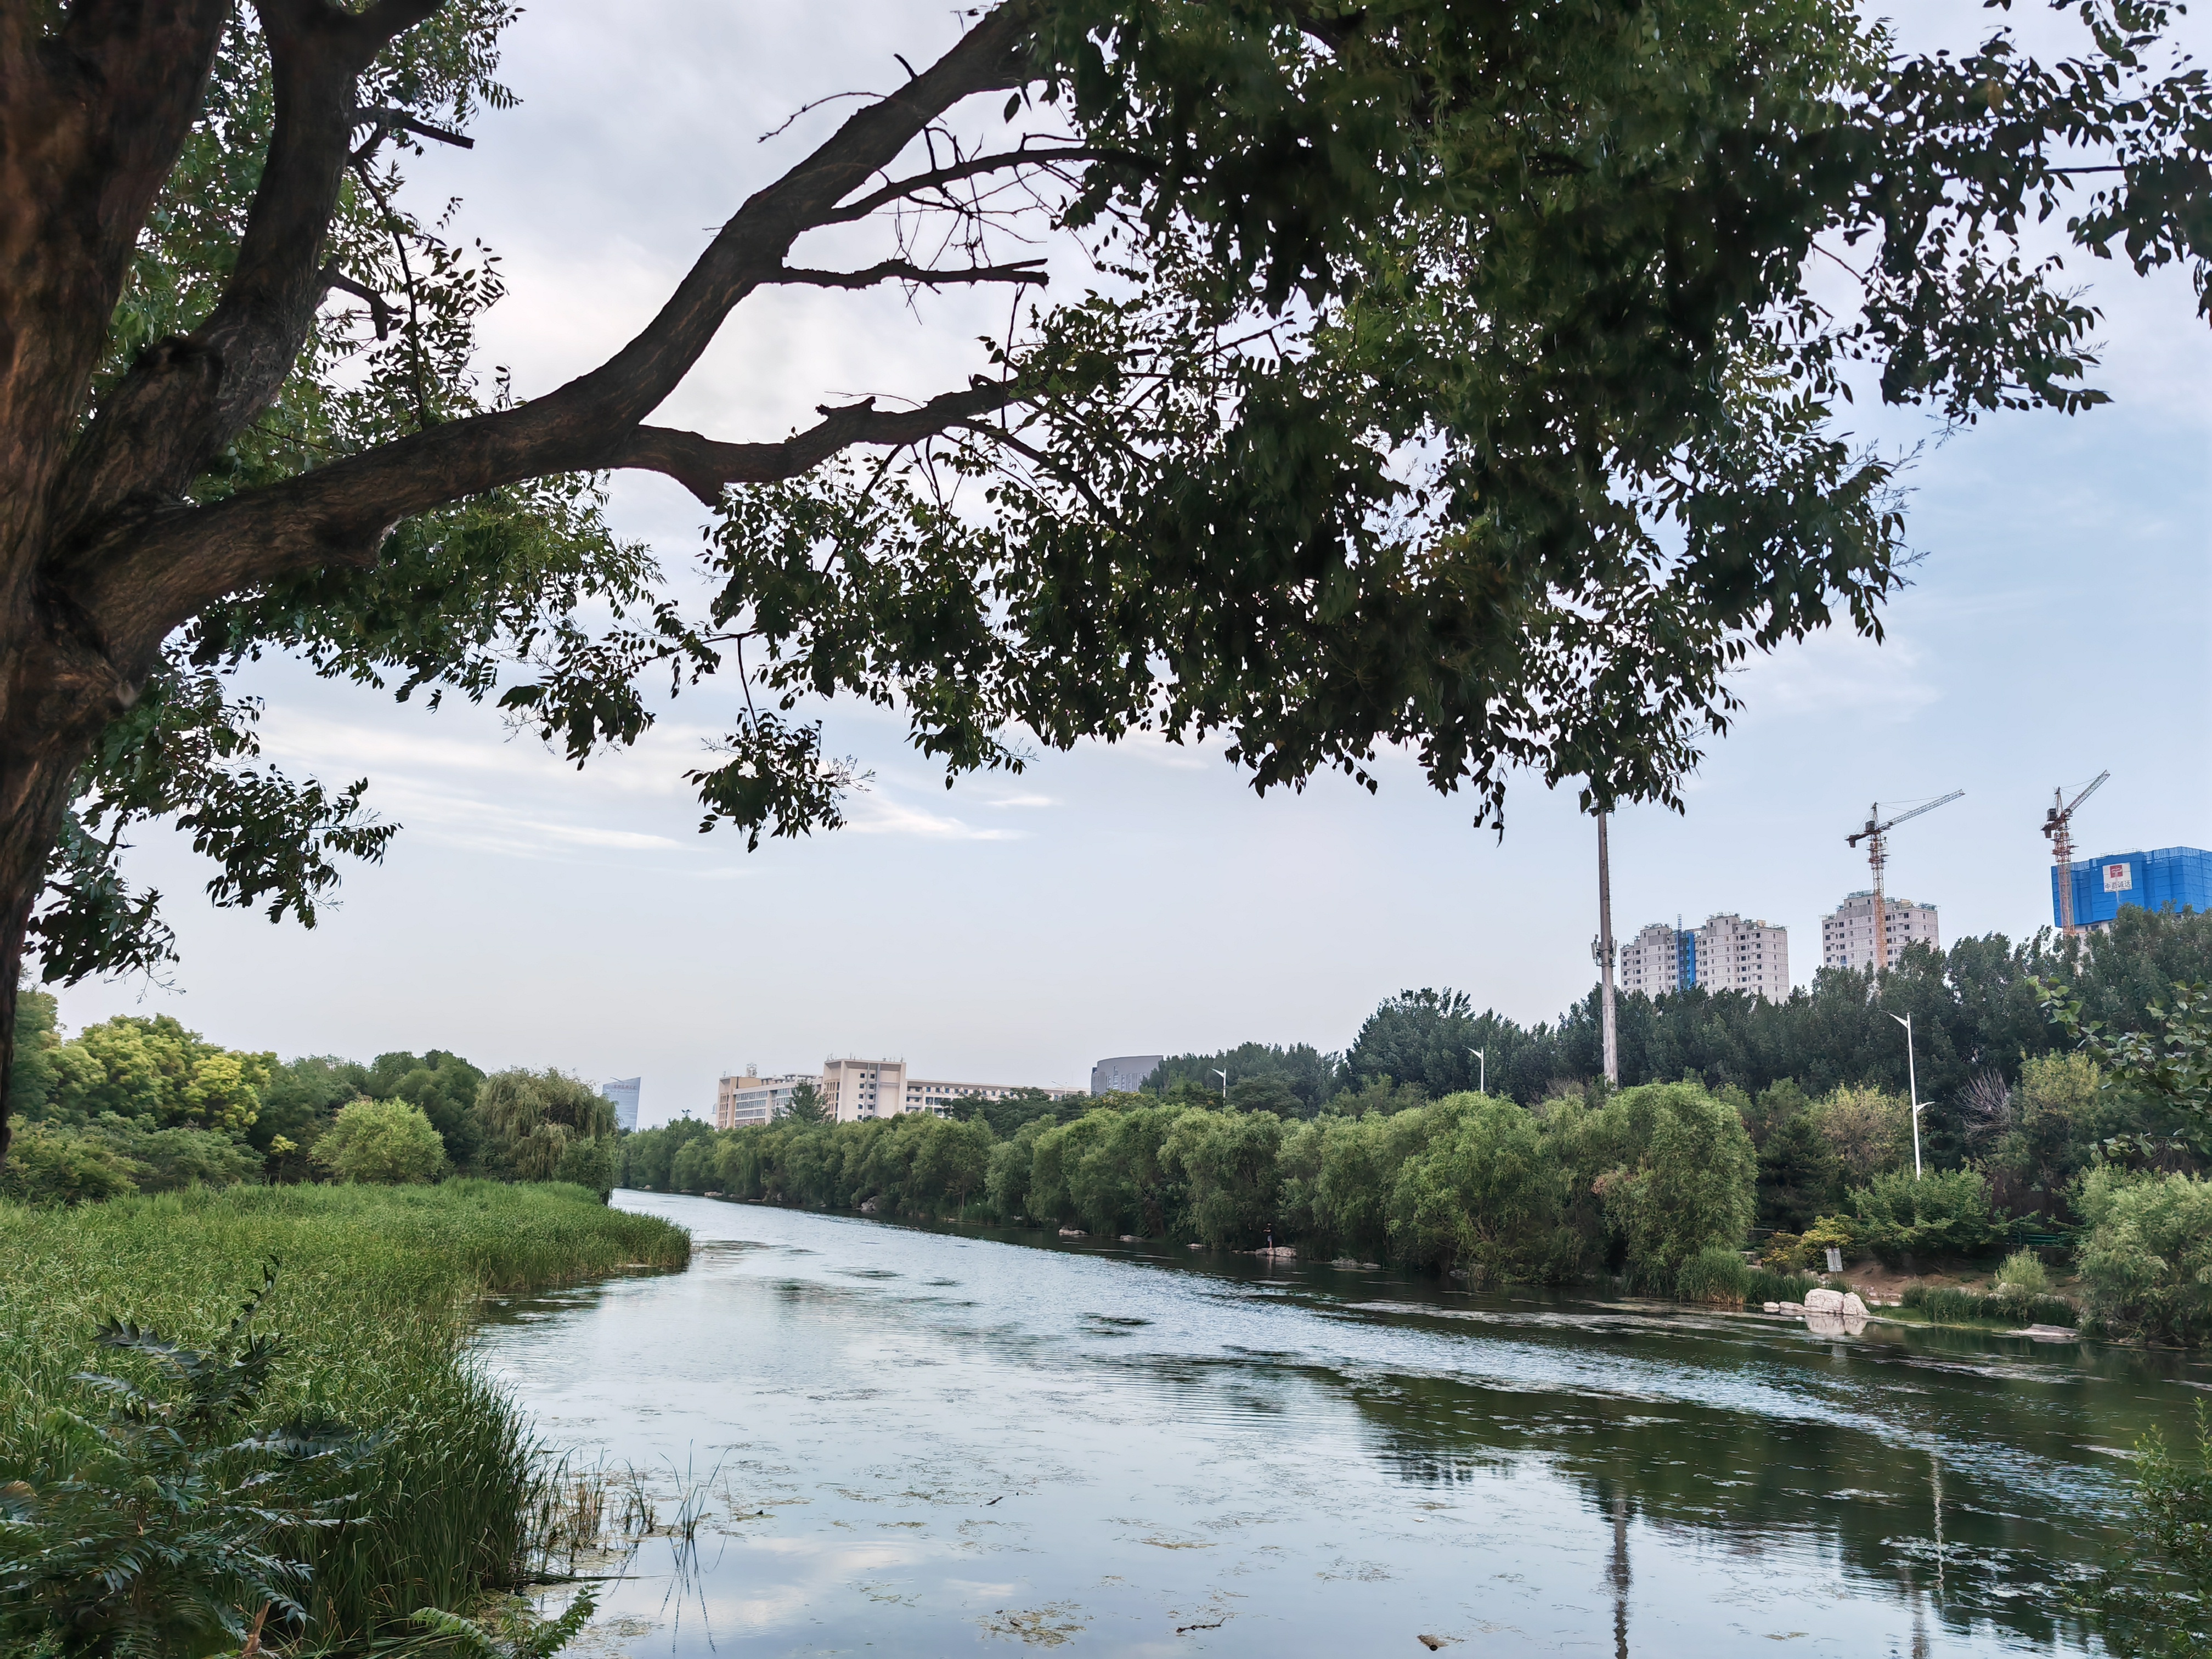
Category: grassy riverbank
[373,1296]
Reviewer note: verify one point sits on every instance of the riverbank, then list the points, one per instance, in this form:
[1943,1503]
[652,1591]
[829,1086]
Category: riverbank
[374,1295]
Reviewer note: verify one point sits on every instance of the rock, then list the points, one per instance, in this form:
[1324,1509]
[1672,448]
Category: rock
[1131,1239]
[1279,1253]
[1853,1308]
[1200,1247]
[1073,1232]
[1826,1301]
[1773,1307]
[868,1208]
[1790,1307]
[2048,1333]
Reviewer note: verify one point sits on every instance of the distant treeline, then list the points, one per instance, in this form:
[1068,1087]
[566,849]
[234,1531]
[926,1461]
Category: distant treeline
[1975,1016]
[142,1104]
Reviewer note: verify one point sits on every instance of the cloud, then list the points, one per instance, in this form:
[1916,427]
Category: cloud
[1024,801]
[1837,670]
[875,815]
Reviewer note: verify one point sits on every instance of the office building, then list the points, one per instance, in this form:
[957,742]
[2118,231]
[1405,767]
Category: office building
[856,1090]
[754,1099]
[1727,954]
[624,1091]
[1847,936]
[2176,876]
[1124,1074]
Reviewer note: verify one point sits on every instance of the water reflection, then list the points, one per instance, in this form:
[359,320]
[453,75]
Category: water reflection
[928,1439]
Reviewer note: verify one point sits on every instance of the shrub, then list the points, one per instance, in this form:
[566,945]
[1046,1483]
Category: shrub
[1944,1213]
[2146,1262]
[49,1165]
[1761,1285]
[385,1141]
[2021,1280]
[1489,1196]
[2155,1597]
[1785,1253]
[589,1165]
[1716,1274]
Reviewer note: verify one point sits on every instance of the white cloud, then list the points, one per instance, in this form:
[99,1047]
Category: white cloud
[872,814]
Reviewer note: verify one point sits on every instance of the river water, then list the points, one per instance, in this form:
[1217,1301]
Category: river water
[927,1442]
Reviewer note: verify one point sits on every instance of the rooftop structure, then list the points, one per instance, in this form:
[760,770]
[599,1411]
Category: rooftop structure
[2179,876]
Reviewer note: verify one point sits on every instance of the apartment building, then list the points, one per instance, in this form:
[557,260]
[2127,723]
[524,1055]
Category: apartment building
[1727,954]
[1736,955]
[1847,935]
[754,1099]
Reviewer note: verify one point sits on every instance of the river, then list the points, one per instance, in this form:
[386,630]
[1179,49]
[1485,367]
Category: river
[930,1441]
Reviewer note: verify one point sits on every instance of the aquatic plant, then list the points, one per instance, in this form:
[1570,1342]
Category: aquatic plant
[376,1299]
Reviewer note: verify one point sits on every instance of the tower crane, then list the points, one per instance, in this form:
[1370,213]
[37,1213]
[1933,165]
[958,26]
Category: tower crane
[2058,824]
[1876,837]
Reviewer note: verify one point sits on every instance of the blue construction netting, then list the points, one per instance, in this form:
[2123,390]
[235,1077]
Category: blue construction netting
[2180,877]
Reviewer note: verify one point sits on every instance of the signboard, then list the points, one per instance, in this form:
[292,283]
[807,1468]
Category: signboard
[2119,878]
[1835,1259]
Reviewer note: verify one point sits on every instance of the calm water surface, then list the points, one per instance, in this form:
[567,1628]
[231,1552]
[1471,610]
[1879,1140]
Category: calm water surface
[928,1441]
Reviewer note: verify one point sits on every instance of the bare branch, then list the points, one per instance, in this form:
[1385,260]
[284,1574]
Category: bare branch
[384,116]
[1001,161]
[1021,270]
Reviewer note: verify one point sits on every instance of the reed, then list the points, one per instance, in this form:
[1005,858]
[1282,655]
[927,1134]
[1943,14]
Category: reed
[375,1292]
[1951,1303]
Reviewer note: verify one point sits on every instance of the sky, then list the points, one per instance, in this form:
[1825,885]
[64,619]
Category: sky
[1139,898]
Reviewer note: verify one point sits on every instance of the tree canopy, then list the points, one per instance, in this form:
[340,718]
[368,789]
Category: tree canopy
[1447,375]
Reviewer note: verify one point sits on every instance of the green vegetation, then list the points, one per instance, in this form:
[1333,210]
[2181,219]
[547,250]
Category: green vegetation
[2155,1600]
[361,1388]
[1641,1184]
[2004,1306]
[143,1105]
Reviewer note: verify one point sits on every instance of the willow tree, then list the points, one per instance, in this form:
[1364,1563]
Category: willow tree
[1451,379]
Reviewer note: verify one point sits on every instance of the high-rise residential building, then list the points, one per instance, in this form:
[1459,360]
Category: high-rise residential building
[1124,1074]
[1847,936]
[1736,955]
[1727,954]
[754,1099]
[1659,960]
[2179,876]
[624,1091]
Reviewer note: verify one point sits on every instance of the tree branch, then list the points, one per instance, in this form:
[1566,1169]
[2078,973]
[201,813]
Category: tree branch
[704,467]
[378,309]
[899,189]
[1021,270]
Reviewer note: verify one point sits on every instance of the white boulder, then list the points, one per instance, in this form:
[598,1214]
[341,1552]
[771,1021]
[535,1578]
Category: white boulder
[1824,1300]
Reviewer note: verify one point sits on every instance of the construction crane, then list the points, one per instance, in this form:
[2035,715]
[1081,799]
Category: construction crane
[1876,837]
[2058,824]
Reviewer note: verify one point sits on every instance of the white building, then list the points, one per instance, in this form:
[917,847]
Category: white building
[1727,954]
[1735,955]
[753,1099]
[1658,960]
[1847,935]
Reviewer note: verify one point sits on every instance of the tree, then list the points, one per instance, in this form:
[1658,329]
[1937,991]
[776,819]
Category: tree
[382,1141]
[805,1105]
[531,1118]
[1453,381]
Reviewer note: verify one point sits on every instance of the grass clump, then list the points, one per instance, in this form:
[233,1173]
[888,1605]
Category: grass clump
[1953,1303]
[371,1303]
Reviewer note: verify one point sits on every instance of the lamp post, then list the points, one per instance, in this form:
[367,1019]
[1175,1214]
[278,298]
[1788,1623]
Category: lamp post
[1482,1071]
[1224,1076]
[1913,1083]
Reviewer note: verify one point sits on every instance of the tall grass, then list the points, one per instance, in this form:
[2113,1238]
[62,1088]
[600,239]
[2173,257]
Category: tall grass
[1951,1302]
[373,1298]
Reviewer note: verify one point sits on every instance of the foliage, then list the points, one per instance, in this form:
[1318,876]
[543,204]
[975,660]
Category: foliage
[1717,1274]
[1942,1214]
[531,1118]
[2169,1061]
[2021,1278]
[382,1141]
[49,1165]
[1799,1169]
[1869,1132]
[445,1087]
[1954,1302]
[1292,1081]
[2146,1263]
[2155,1602]
[175,1516]
[806,1105]
[1675,1173]
[375,1300]
[1488,1194]
[510,1632]
[154,1069]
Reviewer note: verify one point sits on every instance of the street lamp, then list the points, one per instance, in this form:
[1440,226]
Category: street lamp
[1224,1076]
[1912,1082]
[1482,1071]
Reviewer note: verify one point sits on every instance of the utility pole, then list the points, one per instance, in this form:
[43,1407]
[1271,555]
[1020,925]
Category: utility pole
[1224,1076]
[1482,1071]
[1603,951]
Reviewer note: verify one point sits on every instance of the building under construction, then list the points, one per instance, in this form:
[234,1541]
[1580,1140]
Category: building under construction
[2176,876]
